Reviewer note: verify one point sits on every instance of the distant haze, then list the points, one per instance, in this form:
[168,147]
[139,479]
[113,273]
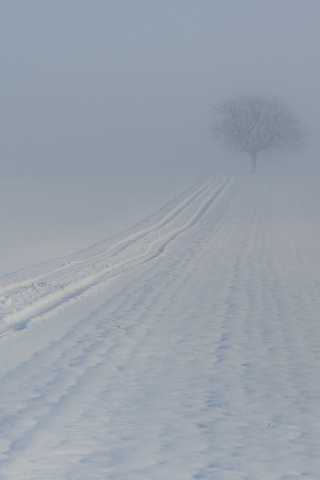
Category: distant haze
[105,86]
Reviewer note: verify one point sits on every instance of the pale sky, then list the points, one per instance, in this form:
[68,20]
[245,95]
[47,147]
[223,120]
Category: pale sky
[99,86]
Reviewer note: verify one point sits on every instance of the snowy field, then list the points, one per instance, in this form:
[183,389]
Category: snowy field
[160,329]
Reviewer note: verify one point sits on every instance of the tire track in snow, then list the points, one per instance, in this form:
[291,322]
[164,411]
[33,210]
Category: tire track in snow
[174,207]
[29,302]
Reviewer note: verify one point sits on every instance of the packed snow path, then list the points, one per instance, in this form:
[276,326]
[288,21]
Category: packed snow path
[187,348]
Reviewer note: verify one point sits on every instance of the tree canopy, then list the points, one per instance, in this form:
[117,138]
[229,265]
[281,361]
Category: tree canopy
[255,123]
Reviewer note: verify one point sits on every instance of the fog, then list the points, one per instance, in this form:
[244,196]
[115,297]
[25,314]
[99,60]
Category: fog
[106,86]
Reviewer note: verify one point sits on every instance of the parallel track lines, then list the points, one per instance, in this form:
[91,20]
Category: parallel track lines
[58,288]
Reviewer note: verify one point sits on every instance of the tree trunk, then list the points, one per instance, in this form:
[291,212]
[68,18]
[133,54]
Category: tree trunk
[253,163]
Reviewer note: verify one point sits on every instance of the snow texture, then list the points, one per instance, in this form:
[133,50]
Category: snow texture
[185,347]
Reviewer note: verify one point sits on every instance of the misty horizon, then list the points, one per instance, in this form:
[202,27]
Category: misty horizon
[100,87]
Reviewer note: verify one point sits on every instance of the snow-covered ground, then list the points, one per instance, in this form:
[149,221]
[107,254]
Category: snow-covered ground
[43,218]
[182,343]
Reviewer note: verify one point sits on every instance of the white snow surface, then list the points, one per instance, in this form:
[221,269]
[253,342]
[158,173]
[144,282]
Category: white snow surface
[184,344]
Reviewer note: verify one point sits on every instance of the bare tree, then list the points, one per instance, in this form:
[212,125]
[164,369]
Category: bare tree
[254,123]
